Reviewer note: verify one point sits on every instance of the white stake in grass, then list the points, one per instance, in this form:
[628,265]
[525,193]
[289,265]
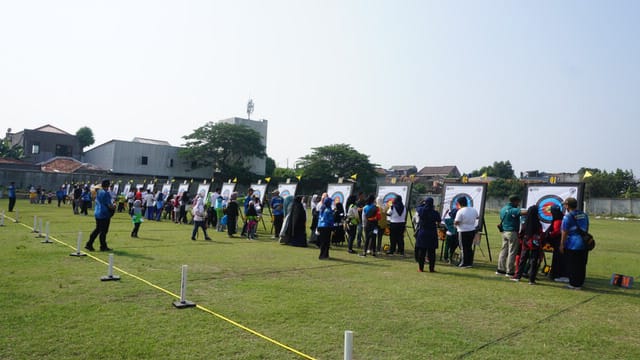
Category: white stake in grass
[35,223]
[348,345]
[78,253]
[183,303]
[110,276]
[39,228]
[46,238]
[2,219]
[17,220]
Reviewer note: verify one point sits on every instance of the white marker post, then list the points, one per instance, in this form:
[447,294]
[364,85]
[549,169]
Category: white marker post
[35,224]
[110,276]
[46,238]
[2,219]
[40,228]
[183,303]
[348,345]
[17,220]
[78,253]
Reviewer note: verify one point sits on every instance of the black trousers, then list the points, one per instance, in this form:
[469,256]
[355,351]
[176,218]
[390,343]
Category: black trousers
[136,227]
[577,265]
[466,245]
[533,257]
[102,228]
[324,239]
[396,238]
[12,203]
[277,223]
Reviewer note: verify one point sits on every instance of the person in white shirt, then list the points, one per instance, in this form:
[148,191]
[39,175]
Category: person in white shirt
[465,223]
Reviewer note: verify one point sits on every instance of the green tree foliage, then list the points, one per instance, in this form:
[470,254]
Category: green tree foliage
[616,184]
[85,137]
[327,163]
[269,167]
[10,152]
[499,169]
[282,174]
[225,148]
[505,187]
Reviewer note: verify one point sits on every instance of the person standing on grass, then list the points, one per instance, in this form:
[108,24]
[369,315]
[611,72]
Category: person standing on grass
[325,226]
[199,214]
[12,195]
[572,244]
[531,242]
[232,214]
[60,194]
[558,260]
[370,218]
[451,242]
[277,210]
[510,220]
[397,216]
[103,211]
[427,236]
[465,223]
[352,220]
[136,217]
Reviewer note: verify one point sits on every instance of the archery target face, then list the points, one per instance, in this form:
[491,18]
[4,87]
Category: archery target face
[338,195]
[388,199]
[544,207]
[454,201]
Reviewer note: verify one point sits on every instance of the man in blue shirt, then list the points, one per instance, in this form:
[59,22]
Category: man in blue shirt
[103,211]
[277,210]
[571,242]
[510,220]
[12,195]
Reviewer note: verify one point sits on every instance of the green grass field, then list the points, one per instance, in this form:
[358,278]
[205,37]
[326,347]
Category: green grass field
[261,300]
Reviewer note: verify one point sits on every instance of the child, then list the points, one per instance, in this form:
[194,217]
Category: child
[136,218]
[252,220]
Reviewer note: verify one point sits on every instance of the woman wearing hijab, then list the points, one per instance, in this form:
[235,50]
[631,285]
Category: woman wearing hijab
[531,242]
[199,215]
[427,236]
[295,232]
[232,214]
[397,216]
[558,263]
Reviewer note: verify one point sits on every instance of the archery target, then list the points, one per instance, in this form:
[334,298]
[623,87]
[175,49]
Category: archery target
[544,207]
[338,195]
[454,201]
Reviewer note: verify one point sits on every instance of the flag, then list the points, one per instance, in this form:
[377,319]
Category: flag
[587,174]
[267,179]
[354,176]
[235,179]
[484,175]
[298,177]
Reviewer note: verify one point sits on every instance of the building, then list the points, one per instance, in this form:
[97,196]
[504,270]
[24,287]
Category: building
[44,143]
[144,157]
[256,165]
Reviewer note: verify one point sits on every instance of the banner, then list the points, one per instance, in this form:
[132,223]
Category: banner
[545,196]
[388,193]
[340,191]
[474,193]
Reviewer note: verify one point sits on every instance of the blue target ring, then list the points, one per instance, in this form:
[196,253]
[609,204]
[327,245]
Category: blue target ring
[338,195]
[454,201]
[285,193]
[544,207]
[389,198]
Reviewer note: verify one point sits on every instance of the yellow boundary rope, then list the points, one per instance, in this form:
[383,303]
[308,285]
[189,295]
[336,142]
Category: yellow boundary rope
[202,308]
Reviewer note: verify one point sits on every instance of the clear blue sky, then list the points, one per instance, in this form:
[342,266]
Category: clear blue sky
[548,85]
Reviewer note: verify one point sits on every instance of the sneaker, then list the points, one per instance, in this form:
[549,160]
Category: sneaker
[389,254]
[515,279]
[562,279]
[368,251]
[501,272]
[508,275]
[350,251]
[532,282]
[420,270]
[571,287]
[90,248]
[362,255]
[207,238]
[106,249]
[194,239]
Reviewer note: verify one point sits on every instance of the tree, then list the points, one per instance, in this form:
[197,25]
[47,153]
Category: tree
[505,187]
[327,163]
[618,184]
[499,169]
[10,152]
[269,167]
[226,148]
[85,137]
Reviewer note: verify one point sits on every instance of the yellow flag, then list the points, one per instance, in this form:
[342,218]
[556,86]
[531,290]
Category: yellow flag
[484,175]
[235,179]
[298,177]
[267,179]
[354,176]
[587,174]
